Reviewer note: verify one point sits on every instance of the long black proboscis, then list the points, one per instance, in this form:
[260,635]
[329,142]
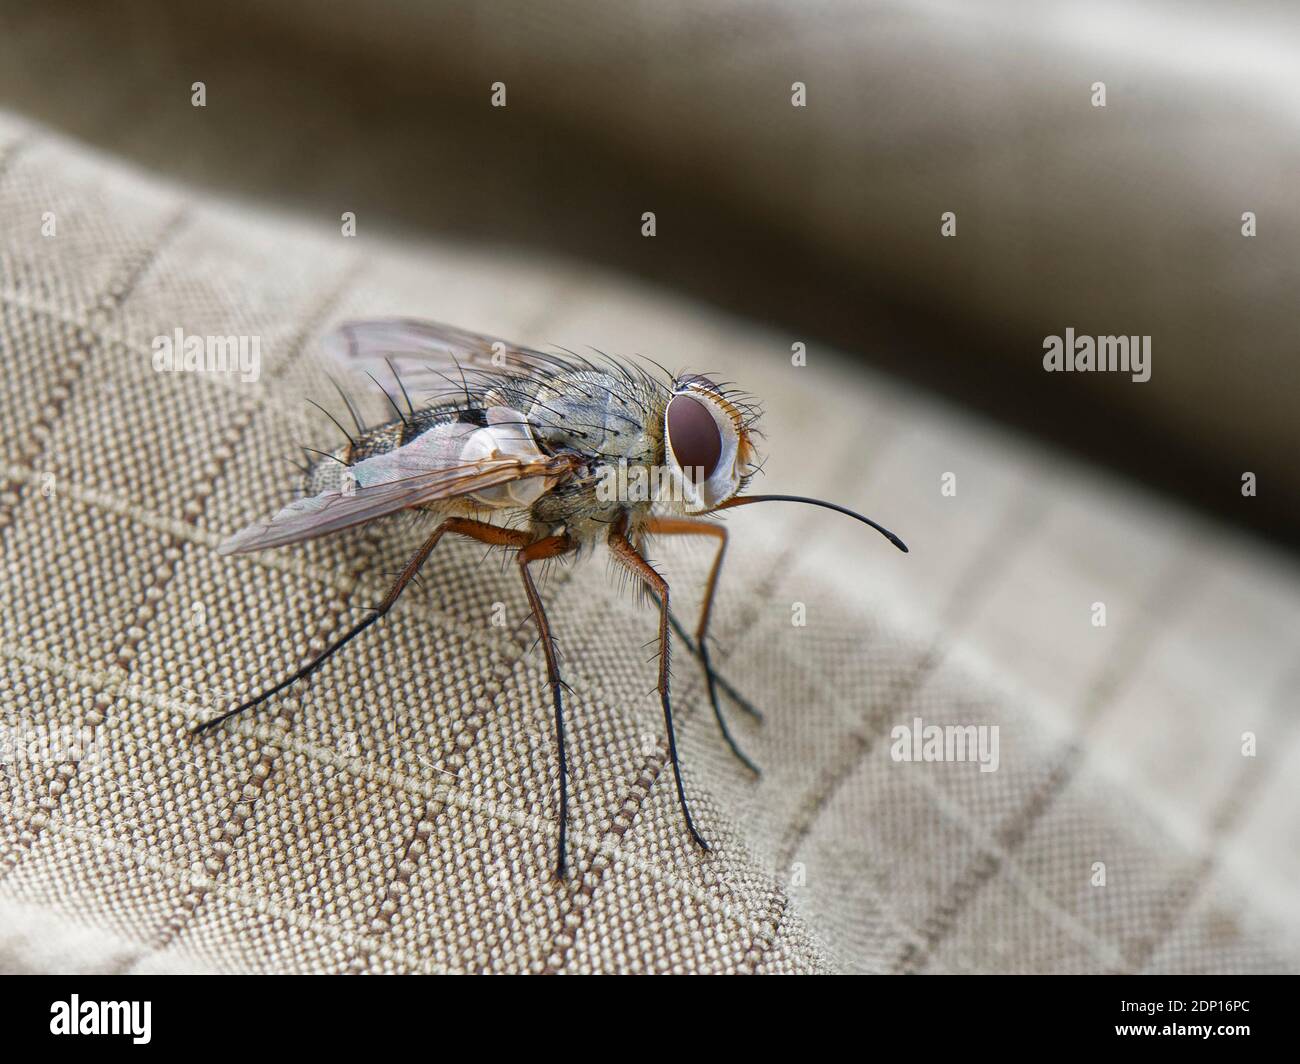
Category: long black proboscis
[746,499]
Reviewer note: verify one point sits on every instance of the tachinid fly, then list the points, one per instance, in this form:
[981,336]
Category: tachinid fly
[537,453]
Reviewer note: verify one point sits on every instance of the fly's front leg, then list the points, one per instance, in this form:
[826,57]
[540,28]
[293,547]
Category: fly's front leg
[685,526]
[724,685]
[551,547]
[628,556]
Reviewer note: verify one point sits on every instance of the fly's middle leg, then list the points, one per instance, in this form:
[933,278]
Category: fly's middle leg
[628,556]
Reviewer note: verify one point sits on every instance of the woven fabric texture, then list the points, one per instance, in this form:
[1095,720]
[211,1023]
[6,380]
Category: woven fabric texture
[396,813]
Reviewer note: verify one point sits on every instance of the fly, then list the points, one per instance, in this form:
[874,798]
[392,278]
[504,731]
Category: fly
[542,455]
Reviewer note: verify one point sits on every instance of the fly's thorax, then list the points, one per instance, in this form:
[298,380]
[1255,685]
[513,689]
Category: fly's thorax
[599,414]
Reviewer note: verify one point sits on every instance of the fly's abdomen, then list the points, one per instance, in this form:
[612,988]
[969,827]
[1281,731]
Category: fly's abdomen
[328,470]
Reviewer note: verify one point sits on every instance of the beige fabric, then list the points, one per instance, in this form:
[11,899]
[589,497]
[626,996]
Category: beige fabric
[397,813]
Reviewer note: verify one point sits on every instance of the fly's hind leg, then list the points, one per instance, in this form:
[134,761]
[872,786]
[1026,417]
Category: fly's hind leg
[479,530]
[685,526]
[495,536]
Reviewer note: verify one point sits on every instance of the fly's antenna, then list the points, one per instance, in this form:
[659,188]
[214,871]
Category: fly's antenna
[745,500]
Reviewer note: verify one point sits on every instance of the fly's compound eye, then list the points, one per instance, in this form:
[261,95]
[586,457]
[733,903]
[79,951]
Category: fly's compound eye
[694,437]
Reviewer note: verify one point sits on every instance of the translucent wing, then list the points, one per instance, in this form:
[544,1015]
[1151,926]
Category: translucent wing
[445,462]
[426,356]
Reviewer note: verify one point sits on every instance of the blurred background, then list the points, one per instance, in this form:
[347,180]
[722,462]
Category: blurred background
[822,221]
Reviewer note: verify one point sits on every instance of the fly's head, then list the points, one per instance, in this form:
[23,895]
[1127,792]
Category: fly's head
[708,443]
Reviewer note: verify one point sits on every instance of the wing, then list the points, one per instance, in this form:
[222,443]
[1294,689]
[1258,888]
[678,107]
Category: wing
[427,357]
[445,462]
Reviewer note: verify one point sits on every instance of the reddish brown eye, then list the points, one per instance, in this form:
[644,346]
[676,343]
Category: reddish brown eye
[694,435]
